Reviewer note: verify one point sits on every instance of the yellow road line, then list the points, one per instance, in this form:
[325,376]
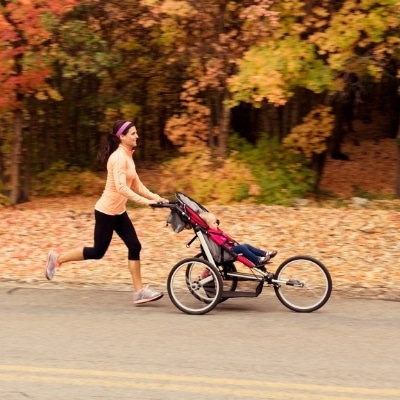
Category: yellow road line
[205,390]
[188,384]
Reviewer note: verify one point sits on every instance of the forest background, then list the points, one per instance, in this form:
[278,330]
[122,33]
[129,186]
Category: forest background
[233,101]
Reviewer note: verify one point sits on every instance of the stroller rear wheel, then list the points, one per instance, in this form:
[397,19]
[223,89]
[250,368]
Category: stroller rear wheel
[194,286]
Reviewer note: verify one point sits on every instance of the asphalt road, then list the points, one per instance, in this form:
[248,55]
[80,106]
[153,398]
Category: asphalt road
[92,344]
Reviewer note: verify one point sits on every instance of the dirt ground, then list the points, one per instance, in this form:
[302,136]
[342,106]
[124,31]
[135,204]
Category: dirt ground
[360,246]
[372,166]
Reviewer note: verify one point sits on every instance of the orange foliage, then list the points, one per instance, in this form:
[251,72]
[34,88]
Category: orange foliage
[209,38]
[24,46]
[311,137]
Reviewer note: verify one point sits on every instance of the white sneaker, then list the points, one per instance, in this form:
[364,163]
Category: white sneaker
[146,295]
[52,265]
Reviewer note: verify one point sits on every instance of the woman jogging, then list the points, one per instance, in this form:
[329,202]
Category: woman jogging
[110,213]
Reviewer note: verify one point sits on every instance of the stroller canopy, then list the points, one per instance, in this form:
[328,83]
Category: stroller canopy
[192,204]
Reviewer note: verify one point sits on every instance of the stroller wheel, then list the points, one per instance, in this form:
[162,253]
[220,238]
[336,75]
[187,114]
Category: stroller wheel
[302,284]
[194,286]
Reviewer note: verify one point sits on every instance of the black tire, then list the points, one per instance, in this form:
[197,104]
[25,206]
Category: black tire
[189,292]
[302,284]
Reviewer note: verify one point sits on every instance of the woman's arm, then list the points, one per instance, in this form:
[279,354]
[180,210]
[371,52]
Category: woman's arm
[140,188]
[119,168]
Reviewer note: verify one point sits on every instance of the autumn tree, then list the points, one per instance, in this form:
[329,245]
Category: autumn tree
[208,38]
[24,50]
[83,58]
[363,38]
[130,64]
[179,68]
[317,46]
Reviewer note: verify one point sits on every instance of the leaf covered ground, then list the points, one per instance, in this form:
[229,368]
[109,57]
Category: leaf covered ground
[359,246]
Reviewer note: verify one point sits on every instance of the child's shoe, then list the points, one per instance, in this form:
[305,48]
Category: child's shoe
[263,260]
[271,253]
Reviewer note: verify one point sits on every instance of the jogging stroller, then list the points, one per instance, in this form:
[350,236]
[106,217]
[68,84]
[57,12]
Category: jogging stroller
[198,284]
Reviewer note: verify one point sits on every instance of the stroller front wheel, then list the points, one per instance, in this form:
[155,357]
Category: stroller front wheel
[194,286]
[302,284]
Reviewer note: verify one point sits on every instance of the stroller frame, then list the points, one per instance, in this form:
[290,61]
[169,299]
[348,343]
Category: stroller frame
[196,285]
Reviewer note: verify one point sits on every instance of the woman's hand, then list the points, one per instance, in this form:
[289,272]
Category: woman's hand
[159,200]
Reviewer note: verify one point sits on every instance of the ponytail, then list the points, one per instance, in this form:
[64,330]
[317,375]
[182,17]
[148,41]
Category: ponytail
[109,145]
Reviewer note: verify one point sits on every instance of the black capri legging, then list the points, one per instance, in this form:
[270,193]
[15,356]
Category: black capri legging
[104,228]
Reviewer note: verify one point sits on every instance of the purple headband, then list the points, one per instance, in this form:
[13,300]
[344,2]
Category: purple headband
[122,128]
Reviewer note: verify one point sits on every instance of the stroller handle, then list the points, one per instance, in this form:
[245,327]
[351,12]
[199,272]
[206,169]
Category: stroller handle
[160,204]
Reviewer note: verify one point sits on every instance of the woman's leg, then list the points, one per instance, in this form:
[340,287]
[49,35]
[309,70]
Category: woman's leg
[103,231]
[71,255]
[127,233]
[136,274]
[55,260]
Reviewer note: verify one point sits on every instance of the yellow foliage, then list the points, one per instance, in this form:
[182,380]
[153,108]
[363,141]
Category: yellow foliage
[130,110]
[46,92]
[40,95]
[207,178]
[361,33]
[176,8]
[190,129]
[312,135]
[54,94]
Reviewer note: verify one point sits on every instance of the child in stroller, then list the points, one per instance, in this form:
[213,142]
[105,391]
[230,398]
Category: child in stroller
[255,255]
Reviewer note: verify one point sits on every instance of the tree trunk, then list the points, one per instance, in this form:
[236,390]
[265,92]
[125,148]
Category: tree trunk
[224,129]
[2,163]
[16,158]
[394,111]
[318,165]
[28,145]
[338,134]
[397,183]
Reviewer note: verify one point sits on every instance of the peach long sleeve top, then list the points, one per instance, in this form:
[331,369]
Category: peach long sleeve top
[122,183]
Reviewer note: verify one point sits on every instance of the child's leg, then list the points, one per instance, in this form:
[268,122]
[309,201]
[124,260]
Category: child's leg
[257,252]
[262,253]
[244,249]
